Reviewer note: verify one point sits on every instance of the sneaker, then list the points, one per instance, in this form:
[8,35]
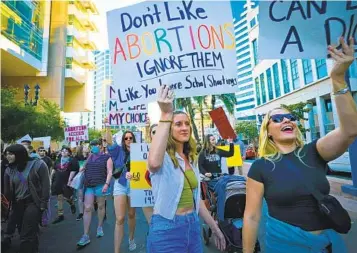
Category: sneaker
[83,241]
[100,232]
[79,217]
[73,209]
[132,245]
[59,219]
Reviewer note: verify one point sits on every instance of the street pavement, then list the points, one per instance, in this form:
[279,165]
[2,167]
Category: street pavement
[63,237]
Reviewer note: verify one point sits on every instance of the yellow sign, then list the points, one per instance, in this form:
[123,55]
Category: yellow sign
[139,171]
[236,159]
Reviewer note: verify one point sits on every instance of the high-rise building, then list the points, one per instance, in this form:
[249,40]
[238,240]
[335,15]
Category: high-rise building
[244,20]
[102,77]
[49,43]
[292,81]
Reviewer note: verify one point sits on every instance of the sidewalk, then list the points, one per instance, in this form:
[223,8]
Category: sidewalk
[348,202]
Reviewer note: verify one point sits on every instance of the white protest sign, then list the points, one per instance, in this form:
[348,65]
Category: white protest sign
[135,115]
[304,29]
[46,141]
[140,185]
[76,133]
[27,137]
[188,45]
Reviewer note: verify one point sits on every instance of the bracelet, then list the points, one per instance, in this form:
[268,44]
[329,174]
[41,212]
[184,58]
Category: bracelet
[165,121]
[341,91]
[106,183]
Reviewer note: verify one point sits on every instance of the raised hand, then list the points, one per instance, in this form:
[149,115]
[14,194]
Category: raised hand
[343,58]
[165,100]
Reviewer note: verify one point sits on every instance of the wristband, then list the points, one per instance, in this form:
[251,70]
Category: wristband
[165,121]
[106,183]
[341,91]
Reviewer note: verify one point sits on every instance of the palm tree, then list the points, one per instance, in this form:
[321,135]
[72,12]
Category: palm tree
[186,103]
[202,104]
[229,100]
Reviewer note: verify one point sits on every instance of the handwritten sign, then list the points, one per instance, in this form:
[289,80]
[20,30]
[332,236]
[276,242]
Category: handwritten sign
[236,159]
[119,115]
[140,186]
[76,133]
[304,29]
[221,121]
[188,45]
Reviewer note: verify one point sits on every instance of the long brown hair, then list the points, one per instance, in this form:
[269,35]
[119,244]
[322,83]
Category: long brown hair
[189,148]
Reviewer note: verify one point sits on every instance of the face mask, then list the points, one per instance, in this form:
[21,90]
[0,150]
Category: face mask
[95,150]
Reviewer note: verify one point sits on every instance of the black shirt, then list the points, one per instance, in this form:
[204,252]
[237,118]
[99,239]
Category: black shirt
[210,162]
[284,190]
[48,162]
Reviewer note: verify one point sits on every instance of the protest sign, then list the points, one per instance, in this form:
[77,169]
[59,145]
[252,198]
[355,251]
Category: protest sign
[221,121]
[46,141]
[27,137]
[135,115]
[236,159]
[76,133]
[140,186]
[304,29]
[187,45]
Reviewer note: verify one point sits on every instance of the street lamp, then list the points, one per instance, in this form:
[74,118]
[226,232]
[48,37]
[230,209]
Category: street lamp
[36,97]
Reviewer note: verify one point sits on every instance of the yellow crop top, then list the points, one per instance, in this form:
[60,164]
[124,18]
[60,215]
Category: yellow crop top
[186,199]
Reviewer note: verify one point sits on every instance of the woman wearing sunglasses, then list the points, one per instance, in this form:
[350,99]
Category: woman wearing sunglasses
[294,221]
[121,158]
[97,175]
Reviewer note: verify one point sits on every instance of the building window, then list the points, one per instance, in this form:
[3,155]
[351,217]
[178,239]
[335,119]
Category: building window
[243,62]
[276,80]
[321,68]
[246,100]
[242,30]
[306,64]
[270,85]
[243,49]
[253,22]
[242,43]
[242,36]
[262,85]
[247,118]
[69,41]
[249,93]
[245,68]
[244,55]
[257,90]
[295,74]
[246,81]
[246,87]
[284,69]
[255,51]
[245,74]
[69,61]
[239,109]
[328,105]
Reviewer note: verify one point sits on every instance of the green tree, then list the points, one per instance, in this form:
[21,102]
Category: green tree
[94,134]
[298,110]
[186,103]
[18,120]
[248,129]
[201,105]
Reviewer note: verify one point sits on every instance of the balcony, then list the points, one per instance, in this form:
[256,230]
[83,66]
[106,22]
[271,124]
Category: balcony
[90,6]
[87,61]
[87,40]
[75,77]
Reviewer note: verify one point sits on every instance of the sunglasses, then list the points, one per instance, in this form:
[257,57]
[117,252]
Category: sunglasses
[42,150]
[278,118]
[128,138]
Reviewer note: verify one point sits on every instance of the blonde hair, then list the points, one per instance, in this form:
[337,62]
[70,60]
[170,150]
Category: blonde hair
[189,148]
[267,147]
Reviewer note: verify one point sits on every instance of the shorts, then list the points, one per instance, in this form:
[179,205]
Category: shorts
[120,189]
[97,191]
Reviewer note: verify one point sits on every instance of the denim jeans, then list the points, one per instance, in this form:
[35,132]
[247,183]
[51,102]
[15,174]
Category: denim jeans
[182,234]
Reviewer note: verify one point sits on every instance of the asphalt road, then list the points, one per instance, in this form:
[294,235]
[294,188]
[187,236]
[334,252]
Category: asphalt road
[63,237]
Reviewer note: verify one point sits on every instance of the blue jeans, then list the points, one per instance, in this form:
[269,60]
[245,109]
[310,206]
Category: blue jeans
[182,234]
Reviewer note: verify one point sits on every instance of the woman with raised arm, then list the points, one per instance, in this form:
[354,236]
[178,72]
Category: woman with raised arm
[175,226]
[287,165]
[121,159]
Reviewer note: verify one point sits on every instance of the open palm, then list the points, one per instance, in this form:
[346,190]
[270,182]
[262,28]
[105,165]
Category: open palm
[343,58]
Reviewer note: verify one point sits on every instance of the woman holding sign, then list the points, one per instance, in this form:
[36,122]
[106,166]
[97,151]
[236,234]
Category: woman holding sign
[291,176]
[121,159]
[175,226]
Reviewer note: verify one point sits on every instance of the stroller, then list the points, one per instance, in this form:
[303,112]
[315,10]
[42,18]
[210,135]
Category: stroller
[226,202]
